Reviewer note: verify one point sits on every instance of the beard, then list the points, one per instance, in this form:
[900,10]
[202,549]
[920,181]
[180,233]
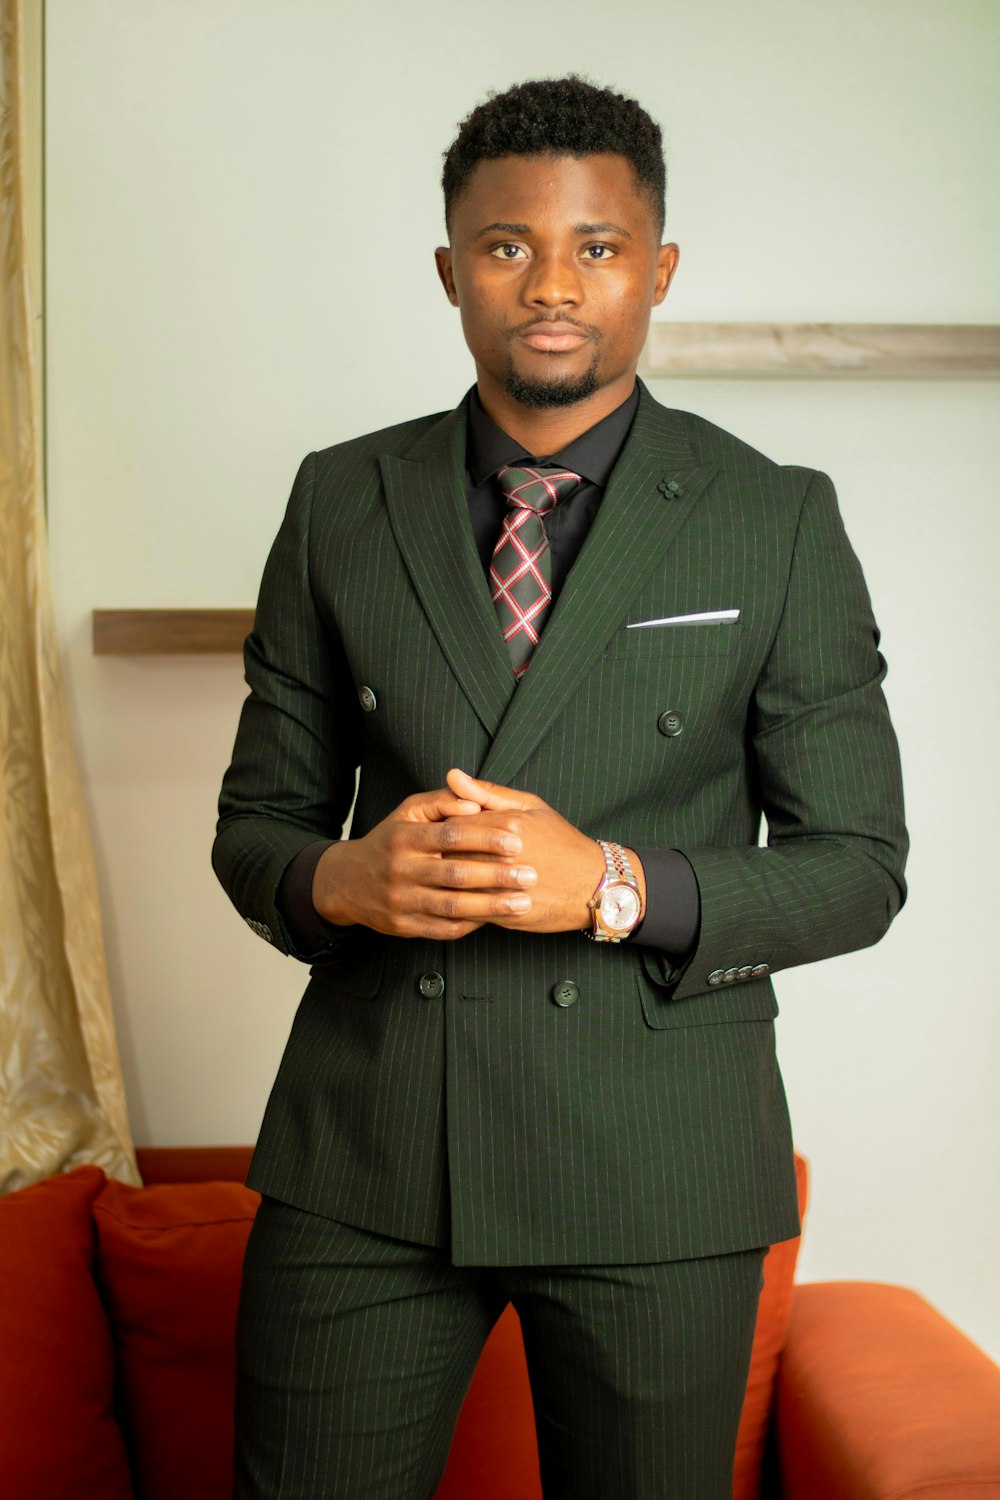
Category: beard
[553,392]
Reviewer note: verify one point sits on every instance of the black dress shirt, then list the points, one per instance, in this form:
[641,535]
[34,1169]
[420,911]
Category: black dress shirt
[673,906]
[592,455]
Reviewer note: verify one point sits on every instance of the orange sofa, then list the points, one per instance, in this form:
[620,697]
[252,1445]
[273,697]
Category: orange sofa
[117,1312]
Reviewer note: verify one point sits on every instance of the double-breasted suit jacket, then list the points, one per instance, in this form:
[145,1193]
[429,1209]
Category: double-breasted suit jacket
[541,1099]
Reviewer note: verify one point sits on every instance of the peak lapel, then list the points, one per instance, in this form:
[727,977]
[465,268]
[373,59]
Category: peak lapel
[655,485]
[428,511]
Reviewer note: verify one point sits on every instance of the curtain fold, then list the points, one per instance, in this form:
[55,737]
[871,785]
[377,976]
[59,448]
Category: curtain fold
[62,1097]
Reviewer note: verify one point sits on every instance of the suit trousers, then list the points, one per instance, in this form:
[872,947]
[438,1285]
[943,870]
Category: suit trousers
[355,1352]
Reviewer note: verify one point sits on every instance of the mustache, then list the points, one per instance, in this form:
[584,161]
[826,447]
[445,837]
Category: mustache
[533,325]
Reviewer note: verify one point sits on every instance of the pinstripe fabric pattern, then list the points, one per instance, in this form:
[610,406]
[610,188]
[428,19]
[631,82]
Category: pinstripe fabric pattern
[647,1121]
[638,1374]
[353,1356]
[355,1352]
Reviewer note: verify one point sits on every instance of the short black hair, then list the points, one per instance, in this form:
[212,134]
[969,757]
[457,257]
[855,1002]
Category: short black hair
[567,116]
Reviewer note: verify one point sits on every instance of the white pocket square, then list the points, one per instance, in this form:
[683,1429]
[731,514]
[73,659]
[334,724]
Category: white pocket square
[706,617]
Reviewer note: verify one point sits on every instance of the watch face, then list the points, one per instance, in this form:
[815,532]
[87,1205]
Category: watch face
[620,907]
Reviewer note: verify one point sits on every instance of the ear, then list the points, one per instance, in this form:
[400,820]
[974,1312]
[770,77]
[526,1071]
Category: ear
[442,258]
[666,264]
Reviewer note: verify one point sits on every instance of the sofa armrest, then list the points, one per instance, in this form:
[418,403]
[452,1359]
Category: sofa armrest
[160,1164]
[880,1398]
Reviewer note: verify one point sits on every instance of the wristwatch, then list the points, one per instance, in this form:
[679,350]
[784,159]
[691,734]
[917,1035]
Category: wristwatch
[615,906]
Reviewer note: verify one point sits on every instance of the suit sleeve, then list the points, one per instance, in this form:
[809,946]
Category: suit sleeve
[825,759]
[292,776]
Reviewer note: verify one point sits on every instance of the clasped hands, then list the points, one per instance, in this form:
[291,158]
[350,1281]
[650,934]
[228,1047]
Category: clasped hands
[447,862]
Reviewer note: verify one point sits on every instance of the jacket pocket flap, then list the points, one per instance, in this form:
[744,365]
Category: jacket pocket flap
[753,1000]
[354,969]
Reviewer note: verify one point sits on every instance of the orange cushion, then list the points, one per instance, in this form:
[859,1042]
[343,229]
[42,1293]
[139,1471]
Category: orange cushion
[494,1454]
[58,1434]
[169,1263]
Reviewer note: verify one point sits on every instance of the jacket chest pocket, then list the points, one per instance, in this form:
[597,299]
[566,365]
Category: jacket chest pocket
[665,642]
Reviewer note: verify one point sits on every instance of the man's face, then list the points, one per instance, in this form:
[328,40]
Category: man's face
[555,266]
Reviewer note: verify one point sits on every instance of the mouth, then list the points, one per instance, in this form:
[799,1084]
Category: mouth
[553,338]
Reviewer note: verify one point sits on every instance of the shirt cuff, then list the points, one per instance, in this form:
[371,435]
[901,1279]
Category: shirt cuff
[673,904]
[308,930]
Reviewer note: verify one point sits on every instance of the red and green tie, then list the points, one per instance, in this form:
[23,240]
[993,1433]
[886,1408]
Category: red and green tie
[521,567]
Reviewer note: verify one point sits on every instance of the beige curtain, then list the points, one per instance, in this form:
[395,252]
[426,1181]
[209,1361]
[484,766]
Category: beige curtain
[62,1100]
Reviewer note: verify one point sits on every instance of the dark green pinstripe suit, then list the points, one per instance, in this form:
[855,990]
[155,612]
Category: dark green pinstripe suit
[647,1121]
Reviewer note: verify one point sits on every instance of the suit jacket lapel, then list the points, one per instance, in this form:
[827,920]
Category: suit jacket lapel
[655,485]
[428,511]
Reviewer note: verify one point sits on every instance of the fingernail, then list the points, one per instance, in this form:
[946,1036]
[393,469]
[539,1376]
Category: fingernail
[519,903]
[526,875]
[510,843]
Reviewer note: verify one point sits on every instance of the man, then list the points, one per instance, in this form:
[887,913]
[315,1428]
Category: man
[575,644]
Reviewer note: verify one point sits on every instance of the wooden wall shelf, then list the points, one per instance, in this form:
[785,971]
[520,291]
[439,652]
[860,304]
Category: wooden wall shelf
[884,351]
[170,632]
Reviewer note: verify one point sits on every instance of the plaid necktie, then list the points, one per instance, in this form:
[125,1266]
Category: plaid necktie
[521,568]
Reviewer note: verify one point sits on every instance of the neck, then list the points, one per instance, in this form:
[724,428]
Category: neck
[546,430]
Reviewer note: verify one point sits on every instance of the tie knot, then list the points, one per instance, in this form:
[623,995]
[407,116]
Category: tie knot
[536,489]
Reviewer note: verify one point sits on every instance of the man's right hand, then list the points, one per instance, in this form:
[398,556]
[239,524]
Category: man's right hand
[430,869]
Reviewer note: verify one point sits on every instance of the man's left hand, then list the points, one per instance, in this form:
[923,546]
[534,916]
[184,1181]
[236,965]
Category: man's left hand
[569,864]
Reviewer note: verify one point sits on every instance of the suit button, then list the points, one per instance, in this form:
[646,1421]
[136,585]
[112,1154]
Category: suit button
[431,986]
[759,971]
[671,723]
[716,976]
[367,699]
[565,993]
[745,972]
[730,976]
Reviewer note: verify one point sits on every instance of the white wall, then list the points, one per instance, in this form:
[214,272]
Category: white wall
[242,204]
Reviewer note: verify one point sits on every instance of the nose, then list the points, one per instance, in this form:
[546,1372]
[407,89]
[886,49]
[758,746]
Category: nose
[554,281]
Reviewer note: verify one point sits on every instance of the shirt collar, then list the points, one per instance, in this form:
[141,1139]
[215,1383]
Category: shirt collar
[593,454]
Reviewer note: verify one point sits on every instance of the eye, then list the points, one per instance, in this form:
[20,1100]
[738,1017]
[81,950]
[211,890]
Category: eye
[599,252]
[508,251]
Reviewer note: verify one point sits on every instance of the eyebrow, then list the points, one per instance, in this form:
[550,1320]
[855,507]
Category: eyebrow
[504,228]
[604,228]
